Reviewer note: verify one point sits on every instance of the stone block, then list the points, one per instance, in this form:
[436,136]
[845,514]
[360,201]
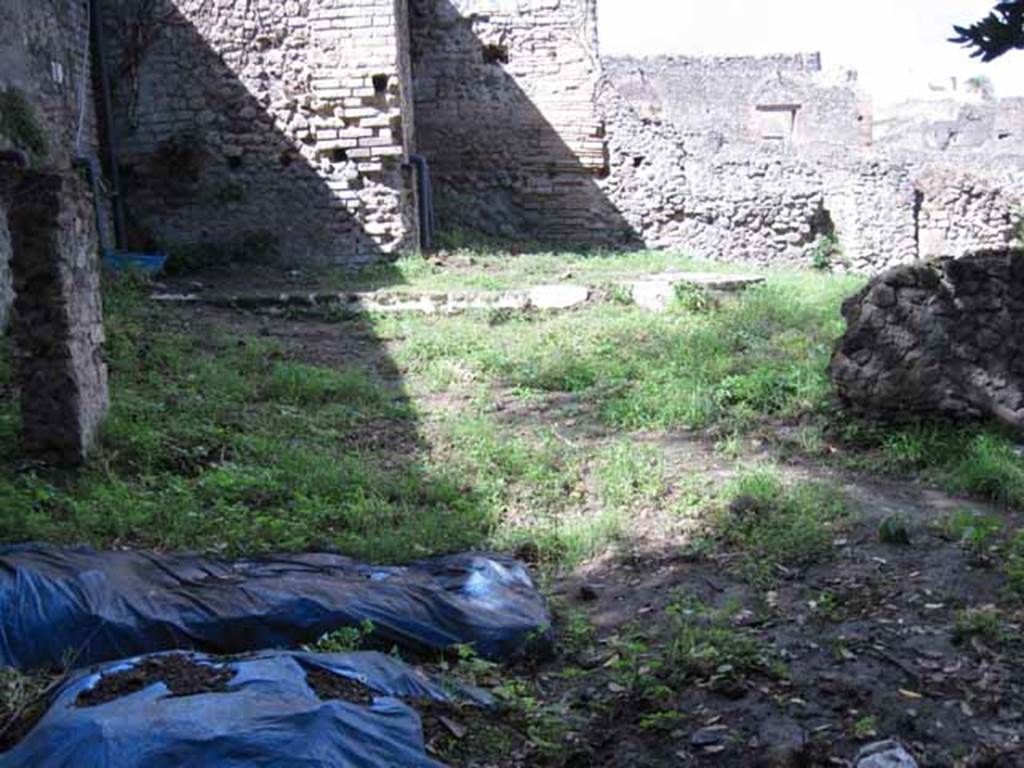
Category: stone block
[913,347]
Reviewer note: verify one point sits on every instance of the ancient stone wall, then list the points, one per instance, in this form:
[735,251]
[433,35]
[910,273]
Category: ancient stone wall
[938,338]
[719,189]
[44,64]
[506,115]
[742,99]
[59,326]
[989,126]
[266,128]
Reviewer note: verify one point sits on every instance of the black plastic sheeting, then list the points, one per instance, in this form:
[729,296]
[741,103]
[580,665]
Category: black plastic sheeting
[267,716]
[83,606]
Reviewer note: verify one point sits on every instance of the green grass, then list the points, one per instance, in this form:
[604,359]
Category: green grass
[233,444]
[771,525]
[498,268]
[1015,565]
[702,643]
[977,459]
[762,355]
[976,532]
[228,445]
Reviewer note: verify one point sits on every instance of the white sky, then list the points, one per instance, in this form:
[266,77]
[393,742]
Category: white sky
[897,46]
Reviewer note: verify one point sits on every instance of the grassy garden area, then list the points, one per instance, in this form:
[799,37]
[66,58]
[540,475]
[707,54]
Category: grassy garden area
[605,445]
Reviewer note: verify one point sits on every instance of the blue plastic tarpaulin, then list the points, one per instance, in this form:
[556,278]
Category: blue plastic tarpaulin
[267,715]
[86,606]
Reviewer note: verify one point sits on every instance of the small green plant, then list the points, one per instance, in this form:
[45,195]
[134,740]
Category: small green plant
[20,124]
[976,532]
[344,640]
[991,468]
[984,623]
[578,635]
[824,252]
[688,297]
[865,728]
[630,474]
[1015,565]
[826,604]
[895,529]
[774,525]
[618,293]
[663,721]
[701,643]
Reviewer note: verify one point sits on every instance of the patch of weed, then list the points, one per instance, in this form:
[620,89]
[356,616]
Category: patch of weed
[772,524]
[992,468]
[1015,565]
[977,533]
[344,640]
[702,644]
[630,474]
[984,623]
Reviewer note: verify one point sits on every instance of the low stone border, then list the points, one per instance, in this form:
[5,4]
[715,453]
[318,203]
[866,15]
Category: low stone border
[654,292]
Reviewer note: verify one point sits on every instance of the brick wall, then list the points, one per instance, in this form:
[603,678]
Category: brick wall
[265,128]
[506,115]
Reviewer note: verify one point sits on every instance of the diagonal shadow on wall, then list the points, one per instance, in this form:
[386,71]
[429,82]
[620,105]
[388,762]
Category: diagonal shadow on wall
[214,163]
[506,115]
[222,141]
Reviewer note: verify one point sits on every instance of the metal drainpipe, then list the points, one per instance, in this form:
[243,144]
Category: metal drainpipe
[106,120]
[92,171]
[425,197]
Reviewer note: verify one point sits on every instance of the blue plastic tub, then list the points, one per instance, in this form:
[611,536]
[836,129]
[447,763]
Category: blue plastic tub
[127,261]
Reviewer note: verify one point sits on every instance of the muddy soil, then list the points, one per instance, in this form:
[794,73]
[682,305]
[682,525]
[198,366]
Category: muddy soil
[328,685]
[180,673]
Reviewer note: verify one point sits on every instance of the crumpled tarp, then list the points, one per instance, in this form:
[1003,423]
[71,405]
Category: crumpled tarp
[267,716]
[83,606]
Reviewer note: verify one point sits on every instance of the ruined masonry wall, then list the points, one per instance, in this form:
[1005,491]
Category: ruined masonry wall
[716,99]
[715,191]
[44,54]
[506,116]
[291,120]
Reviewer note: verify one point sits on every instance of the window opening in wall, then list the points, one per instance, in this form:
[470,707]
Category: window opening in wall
[495,54]
[776,122]
[380,84]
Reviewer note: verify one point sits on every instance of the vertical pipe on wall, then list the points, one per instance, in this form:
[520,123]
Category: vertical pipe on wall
[106,119]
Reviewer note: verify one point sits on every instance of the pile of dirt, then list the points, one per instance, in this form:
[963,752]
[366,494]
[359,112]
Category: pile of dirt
[328,685]
[179,672]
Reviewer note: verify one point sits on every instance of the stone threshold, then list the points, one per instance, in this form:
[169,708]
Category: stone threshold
[651,292]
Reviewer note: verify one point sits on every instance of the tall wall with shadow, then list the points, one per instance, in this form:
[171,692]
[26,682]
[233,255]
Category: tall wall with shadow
[46,105]
[506,115]
[260,128]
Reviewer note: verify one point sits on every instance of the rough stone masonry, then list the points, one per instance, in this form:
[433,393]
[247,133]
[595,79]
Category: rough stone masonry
[58,325]
[944,338]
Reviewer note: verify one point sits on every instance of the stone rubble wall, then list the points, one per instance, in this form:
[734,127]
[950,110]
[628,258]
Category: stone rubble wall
[722,99]
[506,115]
[938,338]
[728,197]
[994,126]
[265,127]
[44,55]
[969,204]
